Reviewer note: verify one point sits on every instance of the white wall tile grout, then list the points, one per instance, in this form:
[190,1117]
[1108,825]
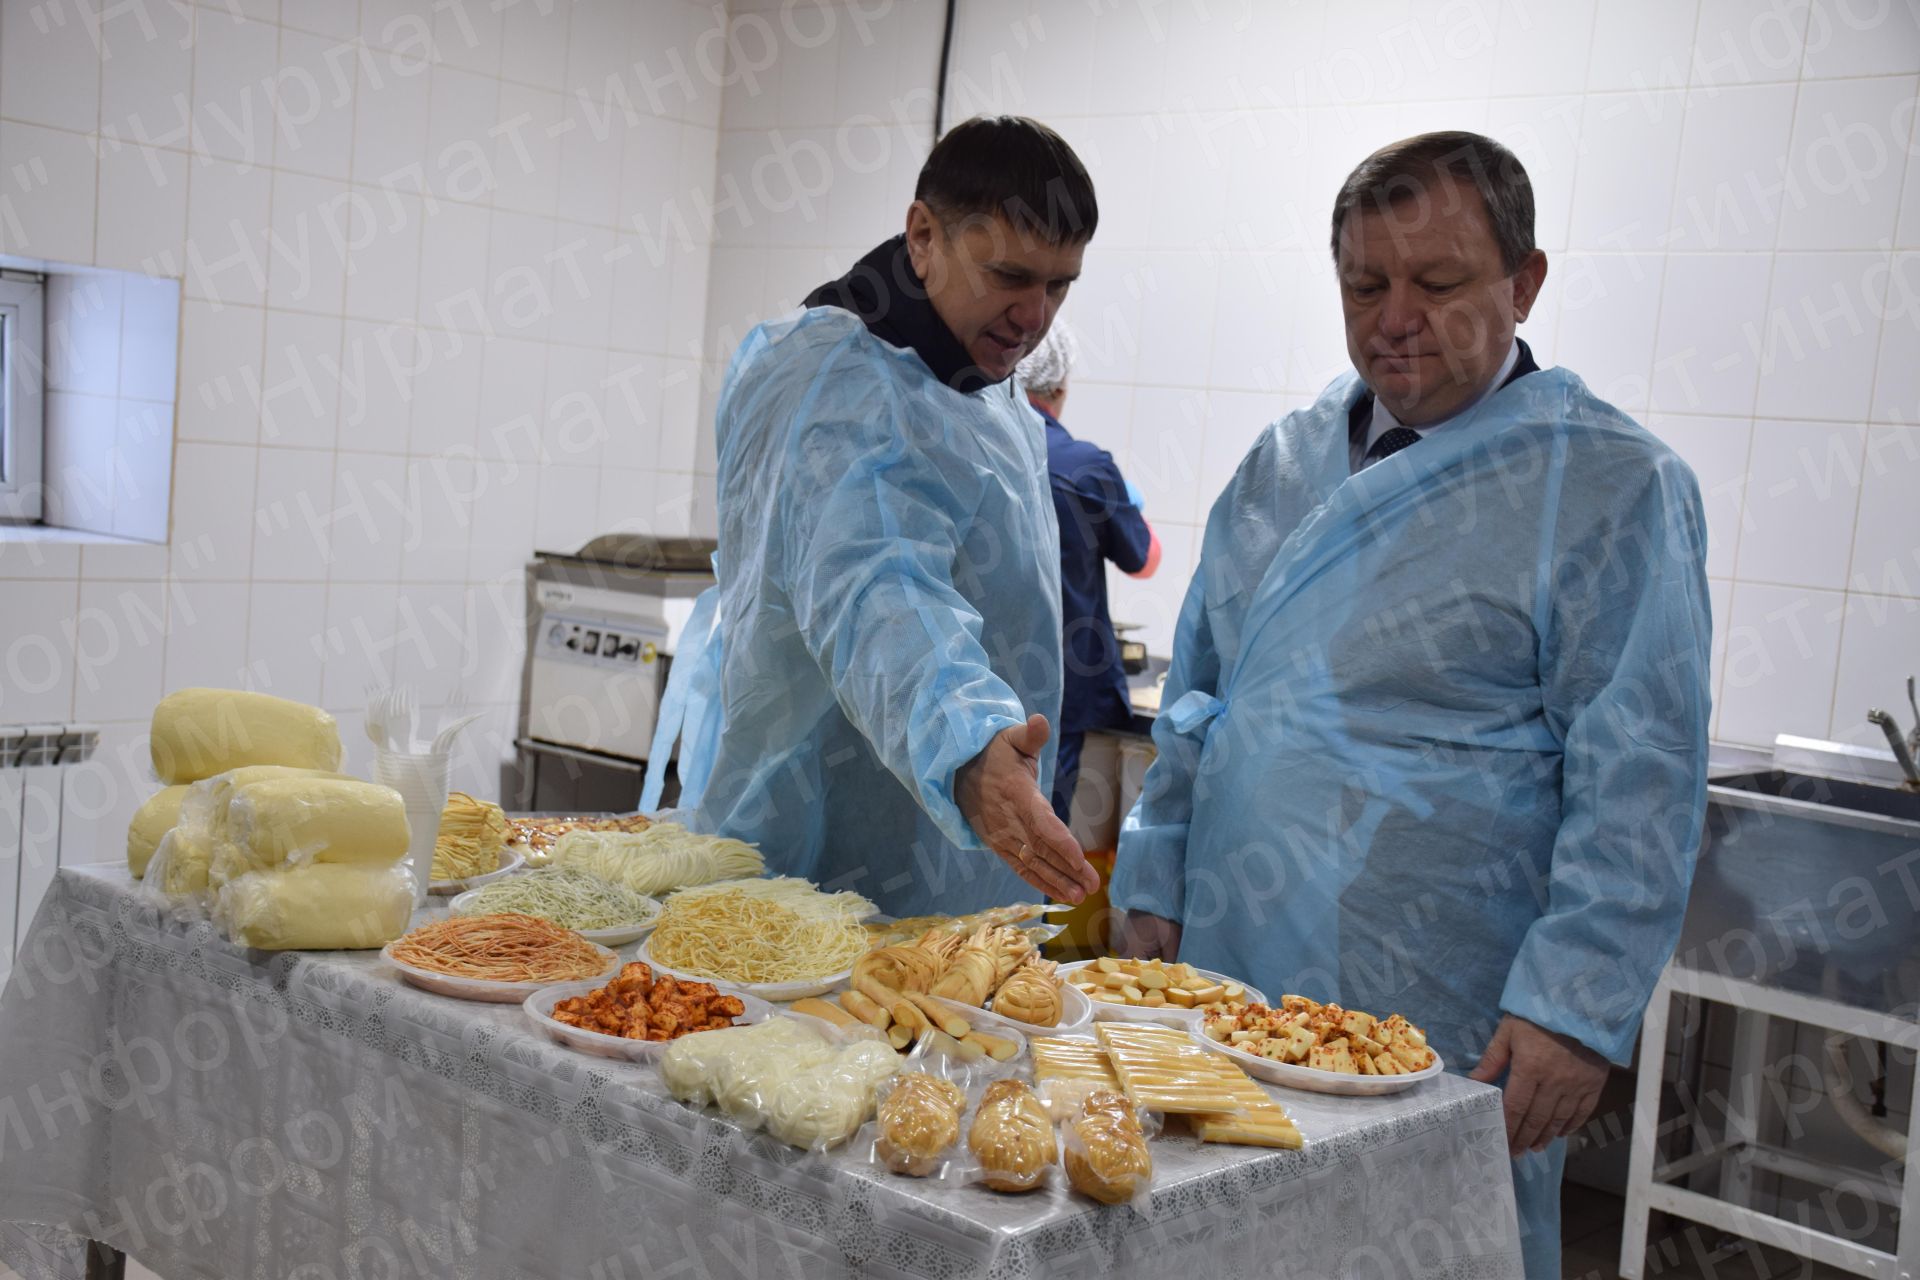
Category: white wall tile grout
[1836,726]
[706,134]
[1712,60]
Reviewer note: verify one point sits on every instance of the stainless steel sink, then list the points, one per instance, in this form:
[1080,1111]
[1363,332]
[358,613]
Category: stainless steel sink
[1811,884]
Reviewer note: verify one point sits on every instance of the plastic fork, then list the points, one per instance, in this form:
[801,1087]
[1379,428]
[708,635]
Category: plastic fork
[443,741]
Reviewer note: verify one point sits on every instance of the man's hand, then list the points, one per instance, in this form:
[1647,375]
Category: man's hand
[1553,1082]
[998,793]
[1144,936]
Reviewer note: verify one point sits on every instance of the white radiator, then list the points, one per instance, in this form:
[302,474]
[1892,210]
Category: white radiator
[34,760]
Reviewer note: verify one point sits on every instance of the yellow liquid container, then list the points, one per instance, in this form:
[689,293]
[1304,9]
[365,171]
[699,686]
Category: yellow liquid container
[1087,925]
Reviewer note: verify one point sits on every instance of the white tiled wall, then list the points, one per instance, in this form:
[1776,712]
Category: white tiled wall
[112,341]
[444,275]
[1725,191]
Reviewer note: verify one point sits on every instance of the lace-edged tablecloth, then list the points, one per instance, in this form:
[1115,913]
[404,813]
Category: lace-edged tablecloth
[227,1114]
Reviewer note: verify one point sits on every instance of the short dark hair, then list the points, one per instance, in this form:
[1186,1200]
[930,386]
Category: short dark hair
[1403,171]
[1012,167]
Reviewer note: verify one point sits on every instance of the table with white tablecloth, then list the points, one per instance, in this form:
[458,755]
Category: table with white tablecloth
[228,1114]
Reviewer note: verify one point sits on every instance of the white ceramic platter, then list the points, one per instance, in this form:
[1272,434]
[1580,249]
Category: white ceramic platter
[777,992]
[445,984]
[1313,1080]
[1076,1016]
[1165,1015]
[511,860]
[539,1007]
[612,936]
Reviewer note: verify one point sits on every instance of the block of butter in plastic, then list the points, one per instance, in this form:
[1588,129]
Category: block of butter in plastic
[197,733]
[320,906]
[207,800]
[180,863]
[290,821]
[205,812]
[155,818]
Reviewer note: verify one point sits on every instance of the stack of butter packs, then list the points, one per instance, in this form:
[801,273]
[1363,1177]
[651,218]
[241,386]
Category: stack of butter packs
[258,829]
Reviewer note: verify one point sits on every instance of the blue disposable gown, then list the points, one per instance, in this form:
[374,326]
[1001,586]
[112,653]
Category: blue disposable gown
[889,600]
[1435,733]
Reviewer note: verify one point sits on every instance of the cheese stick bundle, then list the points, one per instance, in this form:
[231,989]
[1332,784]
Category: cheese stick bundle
[908,1018]
[1066,1072]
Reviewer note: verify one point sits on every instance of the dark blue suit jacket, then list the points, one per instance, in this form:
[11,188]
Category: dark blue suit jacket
[1098,523]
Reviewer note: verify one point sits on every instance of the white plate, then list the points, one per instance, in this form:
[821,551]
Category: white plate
[1165,1015]
[446,984]
[539,1007]
[778,992]
[1076,1016]
[511,860]
[611,936]
[1314,1080]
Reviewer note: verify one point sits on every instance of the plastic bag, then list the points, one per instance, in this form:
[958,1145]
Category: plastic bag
[916,1126]
[823,1106]
[288,822]
[1103,1147]
[316,907]
[1011,1138]
[176,879]
[737,1069]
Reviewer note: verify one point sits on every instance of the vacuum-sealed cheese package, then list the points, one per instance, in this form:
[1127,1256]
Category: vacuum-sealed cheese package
[159,815]
[916,1126]
[1011,1138]
[316,907]
[825,1105]
[1104,1149]
[734,1069]
[197,733]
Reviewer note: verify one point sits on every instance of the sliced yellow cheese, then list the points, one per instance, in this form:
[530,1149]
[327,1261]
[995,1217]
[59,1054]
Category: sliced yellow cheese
[197,733]
[317,907]
[155,818]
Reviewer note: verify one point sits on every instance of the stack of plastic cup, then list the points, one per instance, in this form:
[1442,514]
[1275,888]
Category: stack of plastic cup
[422,781]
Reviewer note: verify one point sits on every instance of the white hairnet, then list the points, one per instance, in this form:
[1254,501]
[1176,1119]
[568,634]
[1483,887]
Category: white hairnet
[1046,367]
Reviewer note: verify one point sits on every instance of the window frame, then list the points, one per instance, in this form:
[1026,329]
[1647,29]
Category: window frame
[23,369]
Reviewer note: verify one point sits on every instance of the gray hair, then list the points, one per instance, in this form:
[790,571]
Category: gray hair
[1046,367]
[1402,172]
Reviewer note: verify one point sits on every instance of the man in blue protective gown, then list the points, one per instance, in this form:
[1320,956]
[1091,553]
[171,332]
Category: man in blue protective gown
[1434,739]
[885,661]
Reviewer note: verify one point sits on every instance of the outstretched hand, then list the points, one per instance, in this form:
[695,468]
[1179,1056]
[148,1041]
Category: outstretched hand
[1553,1082]
[1145,936]
[998,792]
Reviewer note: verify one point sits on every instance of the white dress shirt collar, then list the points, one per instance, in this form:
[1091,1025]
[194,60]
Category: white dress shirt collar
[1384,421]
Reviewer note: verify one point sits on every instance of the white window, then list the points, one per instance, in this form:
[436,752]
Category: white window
[22,382]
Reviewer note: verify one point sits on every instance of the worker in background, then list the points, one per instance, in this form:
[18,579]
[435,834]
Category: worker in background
[885,650]
[1434,741]
[1100,520]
